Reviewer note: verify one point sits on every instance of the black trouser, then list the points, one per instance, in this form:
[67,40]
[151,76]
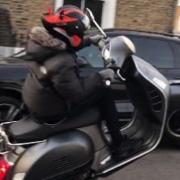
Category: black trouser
[104,100]
[110,114]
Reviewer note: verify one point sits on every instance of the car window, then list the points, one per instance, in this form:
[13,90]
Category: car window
[157,52]
[176,49]
[92,55]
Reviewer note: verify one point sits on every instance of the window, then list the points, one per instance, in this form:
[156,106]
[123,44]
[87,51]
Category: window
[104,11]
[157,52]
[97,11]
[73,2]
[176,49]
[96,8]
[92,55]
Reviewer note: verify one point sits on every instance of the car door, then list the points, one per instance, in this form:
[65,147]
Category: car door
[156,51]
[92,55]
[174,73]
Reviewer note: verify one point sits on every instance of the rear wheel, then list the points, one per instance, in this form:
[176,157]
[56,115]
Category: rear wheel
[10,108]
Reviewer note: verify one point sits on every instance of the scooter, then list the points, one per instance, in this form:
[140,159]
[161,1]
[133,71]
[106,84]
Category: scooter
[77,148]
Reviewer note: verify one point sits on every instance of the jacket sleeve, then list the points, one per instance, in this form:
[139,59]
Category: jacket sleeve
[86,41]
[64,75]
[92,39]
[72,88]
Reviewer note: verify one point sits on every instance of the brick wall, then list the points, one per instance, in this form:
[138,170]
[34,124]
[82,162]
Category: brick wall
[150,15]
[17,16]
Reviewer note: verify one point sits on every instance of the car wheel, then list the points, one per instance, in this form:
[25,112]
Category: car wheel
[10,108]
[173,128]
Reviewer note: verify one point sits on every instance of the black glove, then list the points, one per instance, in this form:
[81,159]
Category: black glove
[103,42]
[107,74]
[95,39]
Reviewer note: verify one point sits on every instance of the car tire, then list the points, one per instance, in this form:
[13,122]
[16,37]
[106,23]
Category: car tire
[172,131]
[10,108]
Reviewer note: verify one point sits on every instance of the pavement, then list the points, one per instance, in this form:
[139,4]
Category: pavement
[162,164]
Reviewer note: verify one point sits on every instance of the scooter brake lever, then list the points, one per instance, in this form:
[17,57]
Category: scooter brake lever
[120,75]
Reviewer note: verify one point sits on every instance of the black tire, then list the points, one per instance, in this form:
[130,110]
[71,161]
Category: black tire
[10,108]
[172,130]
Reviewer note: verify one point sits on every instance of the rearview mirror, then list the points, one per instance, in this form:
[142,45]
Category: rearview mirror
[92,18]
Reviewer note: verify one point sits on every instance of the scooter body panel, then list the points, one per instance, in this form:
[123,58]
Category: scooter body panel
[149,92]
[59,157]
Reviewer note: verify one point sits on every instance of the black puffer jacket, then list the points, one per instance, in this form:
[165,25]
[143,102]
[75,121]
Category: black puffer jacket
[54,83]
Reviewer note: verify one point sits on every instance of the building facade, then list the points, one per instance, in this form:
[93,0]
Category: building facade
[18,16]
[146,15]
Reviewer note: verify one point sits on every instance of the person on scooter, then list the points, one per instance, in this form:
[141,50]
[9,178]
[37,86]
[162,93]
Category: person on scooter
[54,77]
[53,87]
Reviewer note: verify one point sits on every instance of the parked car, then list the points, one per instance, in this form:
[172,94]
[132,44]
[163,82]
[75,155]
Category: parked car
[161,50]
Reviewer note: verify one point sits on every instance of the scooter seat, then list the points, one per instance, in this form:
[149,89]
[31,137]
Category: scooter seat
[30,129]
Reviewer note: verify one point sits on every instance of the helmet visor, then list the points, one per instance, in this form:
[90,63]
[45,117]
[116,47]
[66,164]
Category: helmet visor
[86,22]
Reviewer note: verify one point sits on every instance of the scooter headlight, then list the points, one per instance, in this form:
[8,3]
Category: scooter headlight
[106,54]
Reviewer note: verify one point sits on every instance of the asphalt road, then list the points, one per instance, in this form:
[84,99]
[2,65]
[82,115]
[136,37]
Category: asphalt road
[162,164]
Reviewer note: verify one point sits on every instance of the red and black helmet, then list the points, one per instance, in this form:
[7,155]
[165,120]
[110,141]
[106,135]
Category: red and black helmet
[68,22]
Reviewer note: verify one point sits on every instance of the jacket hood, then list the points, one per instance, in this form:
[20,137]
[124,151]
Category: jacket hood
[40,36]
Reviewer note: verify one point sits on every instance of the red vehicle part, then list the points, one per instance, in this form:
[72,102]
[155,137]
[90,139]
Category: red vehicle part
[5,166]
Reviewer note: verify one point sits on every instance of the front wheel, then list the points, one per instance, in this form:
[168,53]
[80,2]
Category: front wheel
[10,109]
